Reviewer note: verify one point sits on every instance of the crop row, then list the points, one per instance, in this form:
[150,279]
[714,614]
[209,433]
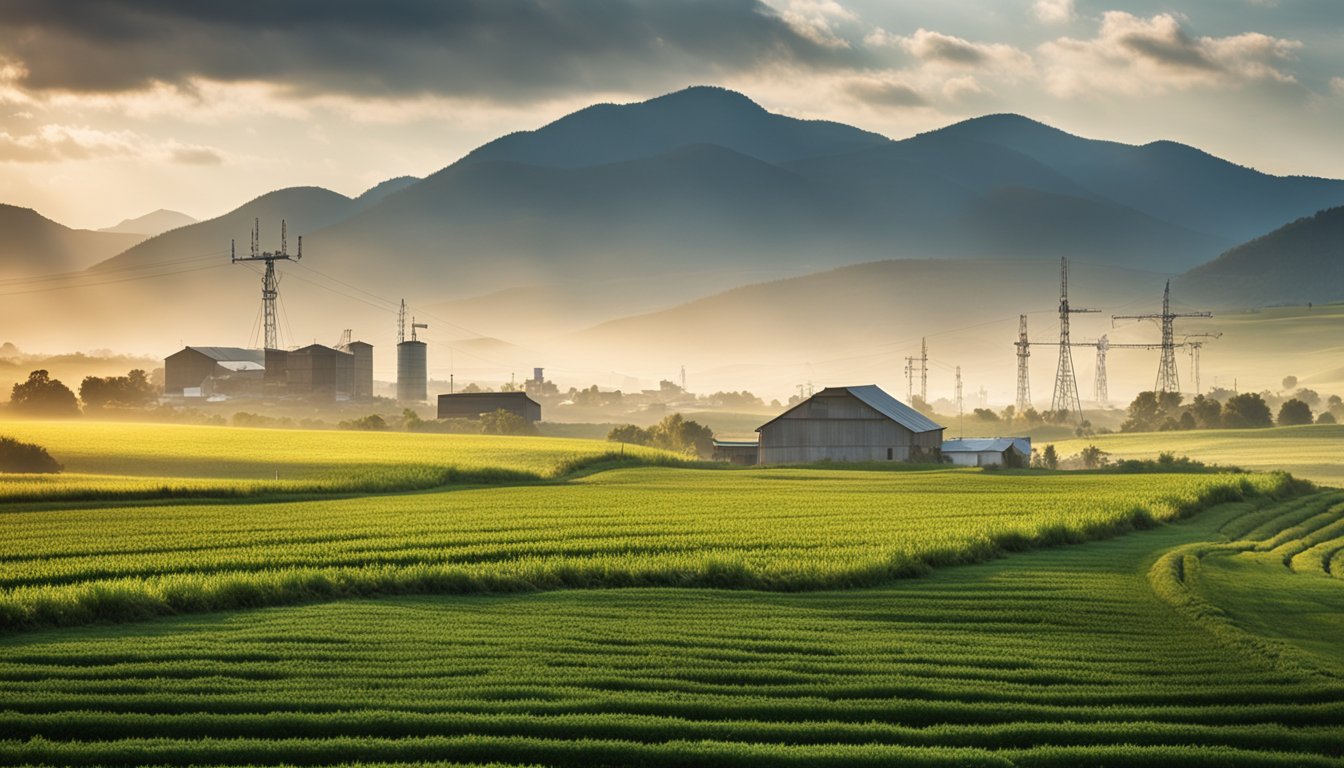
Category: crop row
[767,529]
[1055,657]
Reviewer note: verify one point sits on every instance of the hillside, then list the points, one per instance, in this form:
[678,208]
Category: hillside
[1297,263]
[31,244]
[153,223]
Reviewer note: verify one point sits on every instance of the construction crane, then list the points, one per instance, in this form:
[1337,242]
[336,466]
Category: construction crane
[270,285]
[1167,378]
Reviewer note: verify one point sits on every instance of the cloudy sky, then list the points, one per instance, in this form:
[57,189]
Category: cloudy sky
[113,108]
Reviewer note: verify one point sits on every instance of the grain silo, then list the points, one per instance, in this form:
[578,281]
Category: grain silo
[411,362]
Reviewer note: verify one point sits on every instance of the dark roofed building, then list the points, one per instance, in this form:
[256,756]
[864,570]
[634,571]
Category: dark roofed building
[470,405]
[202,371]
[988,451]
[848,424]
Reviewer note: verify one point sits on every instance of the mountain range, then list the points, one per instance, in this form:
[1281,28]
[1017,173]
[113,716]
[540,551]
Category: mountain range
[620,210]
[153,223]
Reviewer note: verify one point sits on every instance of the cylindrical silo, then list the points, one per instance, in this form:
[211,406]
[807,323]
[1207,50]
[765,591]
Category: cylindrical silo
[411,372]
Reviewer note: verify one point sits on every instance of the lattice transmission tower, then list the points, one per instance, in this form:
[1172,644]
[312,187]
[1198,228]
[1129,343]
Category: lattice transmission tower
[1066,399]
[1167,378]
[1023,345]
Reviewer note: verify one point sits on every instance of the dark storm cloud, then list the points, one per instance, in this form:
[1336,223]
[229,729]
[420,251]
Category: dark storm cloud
[497,49]
[880,94]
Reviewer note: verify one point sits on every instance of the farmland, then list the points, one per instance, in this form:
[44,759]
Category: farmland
[547,605]
[110,460]
[1310,452]
[1062,656]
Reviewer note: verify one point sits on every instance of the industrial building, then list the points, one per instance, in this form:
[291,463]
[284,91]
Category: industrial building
[471,405]
[848,424]
[988,451]
[314,371]
[206,371]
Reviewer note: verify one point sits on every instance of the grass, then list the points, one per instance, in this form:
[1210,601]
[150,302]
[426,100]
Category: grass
[1062,656]
[775,529]
[118,460]
[1309,452]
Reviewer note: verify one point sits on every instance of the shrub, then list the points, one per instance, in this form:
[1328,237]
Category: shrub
[26,457]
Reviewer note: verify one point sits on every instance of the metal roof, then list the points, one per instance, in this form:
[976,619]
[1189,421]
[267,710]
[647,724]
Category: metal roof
[225,354]
[873,396]
[241,365]
[736,443]
[987,444]
[894,409]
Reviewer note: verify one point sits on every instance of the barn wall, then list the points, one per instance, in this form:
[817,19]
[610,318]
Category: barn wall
[187,368]
[839,428]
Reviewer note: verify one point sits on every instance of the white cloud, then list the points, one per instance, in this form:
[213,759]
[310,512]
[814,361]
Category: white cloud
[51,143]
[1054,11]
[816,20]
[1134,55]
[1337,85]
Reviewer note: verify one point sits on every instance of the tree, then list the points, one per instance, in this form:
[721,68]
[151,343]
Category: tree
[1294,413]
[1187,421]
[371,423]
[133,390]
[1289,382]
[1153,411]
[1247,410]
[1326,417]
[502,422]
[629,433]
[1208,412]
[1092,457]
[1049,457]
[1309,396]
[42,395]
[675,433]
[985,414]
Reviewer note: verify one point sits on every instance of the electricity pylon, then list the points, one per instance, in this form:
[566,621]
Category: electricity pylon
[1023,374]
[1167,378]
[1066,399]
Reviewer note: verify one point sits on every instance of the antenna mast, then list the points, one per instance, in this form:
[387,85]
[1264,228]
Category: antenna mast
[961,411]
[415,325]
[401,323]
[270,284]
[1066,399]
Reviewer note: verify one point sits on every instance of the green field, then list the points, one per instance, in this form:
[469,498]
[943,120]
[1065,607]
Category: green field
[105,460]
[664,615]
[1314,452]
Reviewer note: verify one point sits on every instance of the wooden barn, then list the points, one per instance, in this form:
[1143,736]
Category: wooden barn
[848,424]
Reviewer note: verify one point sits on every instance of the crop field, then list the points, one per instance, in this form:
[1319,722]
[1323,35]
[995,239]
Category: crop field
[1310,452]
[1058,657]
[654,614]
[771,529]
[108,460]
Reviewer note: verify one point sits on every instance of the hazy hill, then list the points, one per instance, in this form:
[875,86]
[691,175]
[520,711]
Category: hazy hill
[1163,179]
[154,223]
[31,244]
[1297,263]
[608,133]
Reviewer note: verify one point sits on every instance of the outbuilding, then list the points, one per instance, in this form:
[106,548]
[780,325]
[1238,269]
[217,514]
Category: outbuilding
[471,405]
[204,371]
[988,451]
[744,452]
[861,423]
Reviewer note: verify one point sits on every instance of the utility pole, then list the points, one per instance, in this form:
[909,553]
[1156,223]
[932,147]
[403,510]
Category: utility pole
[270,284]
[961,412]
[1167,378]
[1023,376]
[910,379]
[924,370]
[1066,399]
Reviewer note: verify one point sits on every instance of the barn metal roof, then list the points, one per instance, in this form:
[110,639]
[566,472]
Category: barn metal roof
[894,409]
[226,354]
[987,444]
[873,396]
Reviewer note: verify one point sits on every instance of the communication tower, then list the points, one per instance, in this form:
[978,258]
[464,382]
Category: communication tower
[270,284]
